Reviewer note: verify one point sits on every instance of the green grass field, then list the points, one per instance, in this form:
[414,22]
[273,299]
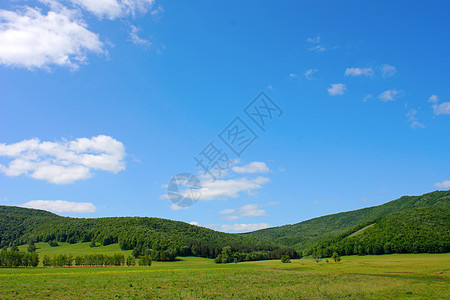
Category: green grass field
[409,276]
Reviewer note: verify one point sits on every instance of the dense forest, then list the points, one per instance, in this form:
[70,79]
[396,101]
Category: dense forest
[308,234]
[165,239]
[417,230]
[410,224]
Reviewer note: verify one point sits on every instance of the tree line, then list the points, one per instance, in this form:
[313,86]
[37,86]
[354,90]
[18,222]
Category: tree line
[228,256]
[15,259]
[95,260]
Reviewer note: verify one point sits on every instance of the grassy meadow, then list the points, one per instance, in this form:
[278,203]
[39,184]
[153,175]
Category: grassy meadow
[408,276]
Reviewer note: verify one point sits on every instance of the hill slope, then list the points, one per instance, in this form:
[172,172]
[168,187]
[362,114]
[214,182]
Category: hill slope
[306,234]
[417,230]
[368,227]
[21,225]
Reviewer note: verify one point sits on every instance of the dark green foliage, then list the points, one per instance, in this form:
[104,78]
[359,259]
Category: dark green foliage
[145,260]
[130,261]
[336,257]
[14,259]
[162,239]
[64,260]
[228,256]
[419,230]
[374,231]
[31,247]
[307,234]
[53,243]
[317,255]
[285,259]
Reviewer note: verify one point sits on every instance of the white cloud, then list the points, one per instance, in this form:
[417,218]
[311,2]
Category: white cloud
[63,162]
[231,188]
[388,95]
[442,109]
[443,185]
[433,99]
[292,75]
[388,70]
[113,9]
[317,48]
[337,89]
[251,210]
[359,71]
[369,96]
[244,227]
[227,211]
[60,206]
[309,73]
[248,210]
[136,39]
[316,44]
[313,40]
[412,119]
[32,40]
[194,223]
[174,206]
[253,167]
[157,11]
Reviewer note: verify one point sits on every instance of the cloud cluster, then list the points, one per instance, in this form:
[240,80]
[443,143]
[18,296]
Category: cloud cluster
[251,168]
[309,73]
[63,162]
[442,109]
[231,188]
[337,89]
[60,206]
[389,95]
[136,39]
[315,44]
[443,185]
[113,9]
[244,227]
[388,71]
[249,210]
[439,109]
[31,39]
[412,119]
[359,71]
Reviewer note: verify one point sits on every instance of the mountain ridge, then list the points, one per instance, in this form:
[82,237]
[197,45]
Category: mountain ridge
[306,234]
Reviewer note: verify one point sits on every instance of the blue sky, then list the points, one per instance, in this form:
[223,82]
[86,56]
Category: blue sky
[102,103]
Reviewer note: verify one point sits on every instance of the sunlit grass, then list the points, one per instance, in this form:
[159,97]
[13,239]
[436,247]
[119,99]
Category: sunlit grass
[421,276]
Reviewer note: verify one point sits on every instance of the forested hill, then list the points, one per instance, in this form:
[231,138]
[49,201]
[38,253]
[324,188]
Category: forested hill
[307,234]
[168,238]
[417,230]
[392,226]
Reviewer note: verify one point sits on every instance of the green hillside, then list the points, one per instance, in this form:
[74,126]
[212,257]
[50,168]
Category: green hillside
[307,234]
[417,230]
[165,238]
[408,224]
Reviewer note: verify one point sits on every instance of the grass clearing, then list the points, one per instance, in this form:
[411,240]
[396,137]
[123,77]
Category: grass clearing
[419,276]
